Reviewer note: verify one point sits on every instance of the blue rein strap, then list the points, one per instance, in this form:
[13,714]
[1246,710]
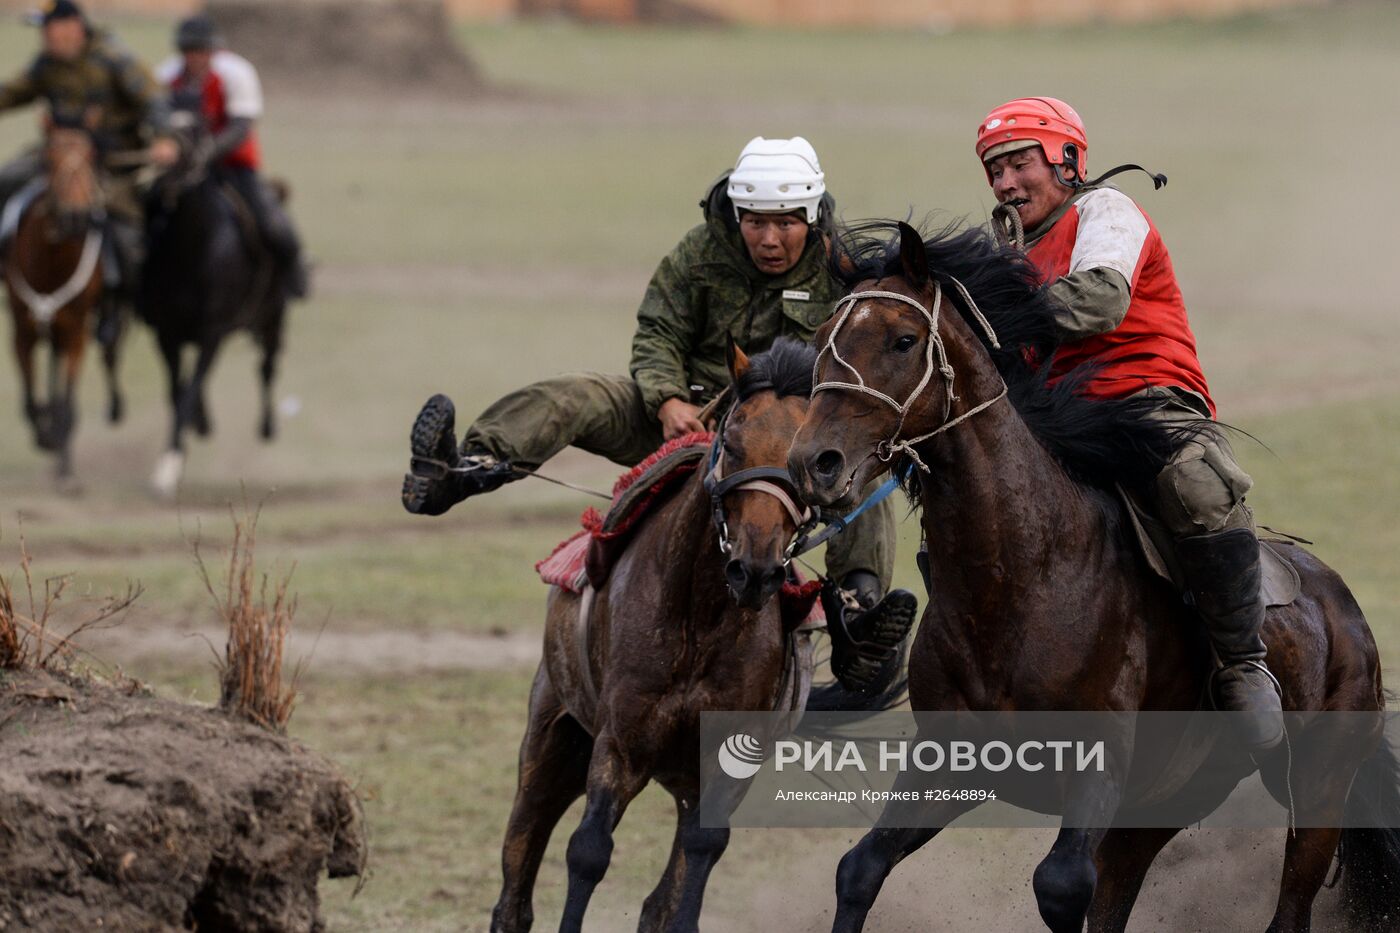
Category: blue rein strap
[837,525]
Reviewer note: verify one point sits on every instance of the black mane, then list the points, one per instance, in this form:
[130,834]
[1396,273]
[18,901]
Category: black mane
[1098,442]
[784,368]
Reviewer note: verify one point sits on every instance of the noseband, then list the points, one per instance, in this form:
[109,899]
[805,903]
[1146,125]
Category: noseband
[935,361]
[768,480]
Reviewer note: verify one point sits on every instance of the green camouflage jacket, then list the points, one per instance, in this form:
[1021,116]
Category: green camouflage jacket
[106,76]
[707,289]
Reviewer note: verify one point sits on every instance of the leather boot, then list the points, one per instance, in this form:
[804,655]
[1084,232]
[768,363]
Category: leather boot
[439,475]
[867,632]
[1222,572]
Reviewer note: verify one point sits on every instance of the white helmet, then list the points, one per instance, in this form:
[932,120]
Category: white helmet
[777,176]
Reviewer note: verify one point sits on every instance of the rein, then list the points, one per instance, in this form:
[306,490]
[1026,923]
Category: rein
[886,449]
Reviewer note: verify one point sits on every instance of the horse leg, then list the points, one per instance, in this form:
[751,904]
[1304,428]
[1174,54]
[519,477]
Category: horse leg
[613,781]
[24,352]
[71,351]
[1306,858]
[271,347]
[1065,879]
[553,769]
[171,465]
[660,904]
[116,403]
[701,848]
[1122,861]
[195,411]
[907,826]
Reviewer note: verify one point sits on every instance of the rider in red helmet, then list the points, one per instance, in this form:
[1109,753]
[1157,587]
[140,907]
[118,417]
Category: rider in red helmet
[1121,308]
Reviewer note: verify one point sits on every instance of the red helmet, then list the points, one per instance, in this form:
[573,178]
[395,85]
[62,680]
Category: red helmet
[1035,121]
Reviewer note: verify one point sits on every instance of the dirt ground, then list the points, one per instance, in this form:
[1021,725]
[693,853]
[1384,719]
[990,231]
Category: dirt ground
[124,811]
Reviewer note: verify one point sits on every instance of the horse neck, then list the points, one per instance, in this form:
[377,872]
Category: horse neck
[994,498]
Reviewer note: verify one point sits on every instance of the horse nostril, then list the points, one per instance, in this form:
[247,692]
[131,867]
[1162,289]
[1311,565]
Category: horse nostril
[773,578]
[737,575]
[827,465]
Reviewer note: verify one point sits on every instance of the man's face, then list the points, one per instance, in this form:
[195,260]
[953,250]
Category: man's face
[775,241]
[197,62]
[1026,180]
[64,38]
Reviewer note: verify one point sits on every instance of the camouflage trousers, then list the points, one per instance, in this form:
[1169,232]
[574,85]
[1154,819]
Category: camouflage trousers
[604,414]
[1202,489]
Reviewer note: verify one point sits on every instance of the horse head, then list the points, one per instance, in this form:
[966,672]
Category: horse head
[886,376]
[70,161]
[756,511]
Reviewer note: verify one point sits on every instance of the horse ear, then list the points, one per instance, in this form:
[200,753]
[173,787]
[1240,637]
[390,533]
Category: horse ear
[736,358]
[912,256]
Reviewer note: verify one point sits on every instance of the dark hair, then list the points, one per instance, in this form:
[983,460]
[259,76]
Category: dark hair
[1098,441]
[784,368]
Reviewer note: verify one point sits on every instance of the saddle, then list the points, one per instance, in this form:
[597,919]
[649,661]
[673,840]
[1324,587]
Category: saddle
[1279,581]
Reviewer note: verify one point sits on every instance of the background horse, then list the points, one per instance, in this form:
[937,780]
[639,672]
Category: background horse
[1040,600]
[53,273]
[206,276]
[680,627]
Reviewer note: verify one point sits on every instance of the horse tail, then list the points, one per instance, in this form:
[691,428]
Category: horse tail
[1369,859]
[833,697]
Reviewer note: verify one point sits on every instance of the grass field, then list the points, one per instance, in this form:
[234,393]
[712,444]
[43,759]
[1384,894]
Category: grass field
[469,246]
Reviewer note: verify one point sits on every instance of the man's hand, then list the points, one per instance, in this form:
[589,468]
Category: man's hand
[164,151]
[677,417]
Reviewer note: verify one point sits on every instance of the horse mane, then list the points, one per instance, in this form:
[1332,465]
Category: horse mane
[785,369]
[1098,442]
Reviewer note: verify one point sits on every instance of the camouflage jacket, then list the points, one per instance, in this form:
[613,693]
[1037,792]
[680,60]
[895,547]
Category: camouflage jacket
[707,289]
[105,76]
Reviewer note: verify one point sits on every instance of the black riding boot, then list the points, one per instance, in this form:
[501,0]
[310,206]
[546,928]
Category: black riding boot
[1222,572]
[867,632]
[439,476]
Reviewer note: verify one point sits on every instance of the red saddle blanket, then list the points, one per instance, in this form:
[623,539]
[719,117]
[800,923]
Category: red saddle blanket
[587,557]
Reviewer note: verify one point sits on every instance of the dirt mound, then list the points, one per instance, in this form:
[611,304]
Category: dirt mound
[119,810]
[401,46]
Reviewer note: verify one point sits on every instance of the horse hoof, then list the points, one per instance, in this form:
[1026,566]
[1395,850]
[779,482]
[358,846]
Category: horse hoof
[268,430]
[116,411]
[165,480]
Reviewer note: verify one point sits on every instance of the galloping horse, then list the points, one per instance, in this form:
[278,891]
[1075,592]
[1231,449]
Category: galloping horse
[54,278]
[681,626]
[1039,600]
[206,276]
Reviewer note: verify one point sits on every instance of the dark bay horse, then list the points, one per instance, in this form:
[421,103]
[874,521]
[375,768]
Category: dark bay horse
[679,628]
[206,276]
[53,273]
[1039,599]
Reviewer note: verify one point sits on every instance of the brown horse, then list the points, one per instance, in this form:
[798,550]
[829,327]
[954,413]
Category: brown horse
[1039,600]
[681,626]
[54,278]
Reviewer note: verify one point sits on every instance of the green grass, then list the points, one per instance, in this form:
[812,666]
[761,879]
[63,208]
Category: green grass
[470,246]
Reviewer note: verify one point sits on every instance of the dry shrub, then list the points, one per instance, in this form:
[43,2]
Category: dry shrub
[258,610]
[27,638]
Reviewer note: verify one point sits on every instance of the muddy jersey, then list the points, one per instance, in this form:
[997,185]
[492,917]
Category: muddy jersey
[1153,345]
[230,90]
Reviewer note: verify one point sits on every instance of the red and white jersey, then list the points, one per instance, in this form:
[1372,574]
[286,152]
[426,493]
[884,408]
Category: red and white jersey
[231,89]
[1153,346]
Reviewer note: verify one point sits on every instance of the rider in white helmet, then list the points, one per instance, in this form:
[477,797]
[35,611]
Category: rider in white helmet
[755,269]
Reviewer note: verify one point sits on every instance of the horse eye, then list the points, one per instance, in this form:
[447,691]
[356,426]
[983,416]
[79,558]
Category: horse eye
[905,344]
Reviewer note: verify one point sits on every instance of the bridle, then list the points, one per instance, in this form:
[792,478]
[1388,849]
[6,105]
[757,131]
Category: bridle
[772,481]
[935,362]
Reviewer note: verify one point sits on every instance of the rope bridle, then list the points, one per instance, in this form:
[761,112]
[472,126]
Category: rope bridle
[935,362]
[767,480]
